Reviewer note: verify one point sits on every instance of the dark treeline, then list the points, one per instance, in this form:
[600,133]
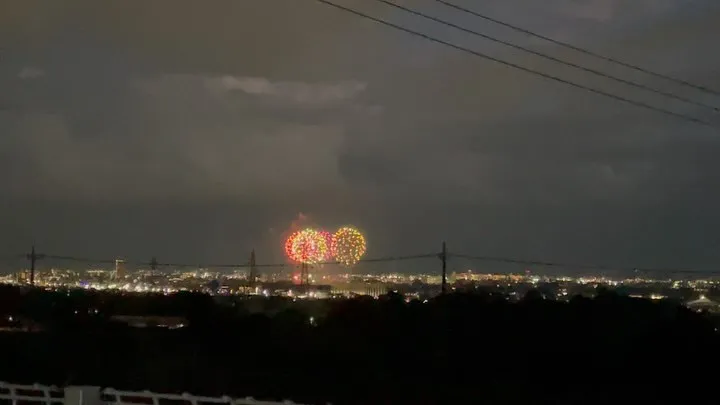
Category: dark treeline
[469,348]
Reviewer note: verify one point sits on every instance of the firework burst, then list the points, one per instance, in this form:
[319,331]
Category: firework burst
[348,246]
[328,240]
[308,246]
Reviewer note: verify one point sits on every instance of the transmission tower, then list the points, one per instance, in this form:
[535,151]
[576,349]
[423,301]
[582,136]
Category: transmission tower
[253,276]
[304,274]
[33,257]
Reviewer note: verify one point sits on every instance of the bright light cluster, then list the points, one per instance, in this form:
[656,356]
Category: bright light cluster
[348,246]
[312,246]
[308,246]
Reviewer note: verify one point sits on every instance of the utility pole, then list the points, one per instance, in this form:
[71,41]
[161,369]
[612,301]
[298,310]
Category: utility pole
[252,277]
[33,257]
[304,274]
[443,257]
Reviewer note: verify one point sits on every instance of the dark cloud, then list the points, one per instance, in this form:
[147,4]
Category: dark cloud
[164,128]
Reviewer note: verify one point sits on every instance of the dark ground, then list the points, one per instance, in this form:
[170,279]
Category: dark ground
[457,348]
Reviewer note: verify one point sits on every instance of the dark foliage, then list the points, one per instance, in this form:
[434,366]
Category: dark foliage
[464,348]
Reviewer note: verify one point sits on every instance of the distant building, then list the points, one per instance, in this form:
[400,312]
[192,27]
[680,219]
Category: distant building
[22,277]
[704,304]
[119,269]
[374,289]
[172,322]
[307,291]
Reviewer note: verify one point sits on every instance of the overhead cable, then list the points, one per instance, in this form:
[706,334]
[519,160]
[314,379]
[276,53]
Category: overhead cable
[519,67]
[549,57]
[704,89]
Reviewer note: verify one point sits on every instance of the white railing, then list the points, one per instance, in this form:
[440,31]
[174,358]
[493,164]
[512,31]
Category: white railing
[35,393]
[115,397]
[76,395]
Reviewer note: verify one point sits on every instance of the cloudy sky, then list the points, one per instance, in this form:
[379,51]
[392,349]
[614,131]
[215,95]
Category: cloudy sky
[196,132]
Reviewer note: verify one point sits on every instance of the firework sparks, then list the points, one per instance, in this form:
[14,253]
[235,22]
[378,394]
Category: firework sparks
[308,246]
[348,246]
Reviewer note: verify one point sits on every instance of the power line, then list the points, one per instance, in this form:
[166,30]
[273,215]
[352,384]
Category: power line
[519,67]
[398,258]
[548,57]
[578,266]
[444,253]
[282,265]
[79,259]
[236,265]
[579,49]
[219,266]
[12,257]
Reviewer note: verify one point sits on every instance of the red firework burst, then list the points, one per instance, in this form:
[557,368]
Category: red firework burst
[307,246]
[290,252]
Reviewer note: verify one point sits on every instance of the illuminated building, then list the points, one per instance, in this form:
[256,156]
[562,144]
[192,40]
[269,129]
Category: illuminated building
[119,269]
[704,304]
[23,277]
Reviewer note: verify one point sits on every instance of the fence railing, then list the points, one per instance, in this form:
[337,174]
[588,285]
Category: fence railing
[36,393]
[116,397]
[17,394]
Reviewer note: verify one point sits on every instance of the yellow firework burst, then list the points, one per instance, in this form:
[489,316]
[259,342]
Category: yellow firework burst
[348,246]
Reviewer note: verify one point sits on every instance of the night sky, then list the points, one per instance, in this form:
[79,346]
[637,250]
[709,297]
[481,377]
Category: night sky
[196,131]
